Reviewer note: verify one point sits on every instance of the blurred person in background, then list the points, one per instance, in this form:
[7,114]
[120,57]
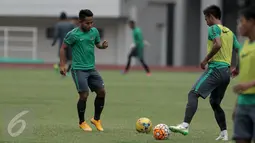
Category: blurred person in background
[61,29]
[137,48]
[244,111]
[75,21]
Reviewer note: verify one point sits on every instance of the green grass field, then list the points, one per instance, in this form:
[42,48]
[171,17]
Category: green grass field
[52,117]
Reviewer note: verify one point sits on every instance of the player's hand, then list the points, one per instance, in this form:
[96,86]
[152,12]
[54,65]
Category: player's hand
[62,70]
[105,44]
[203,64]
[242,87]
[53,43]
[234,72]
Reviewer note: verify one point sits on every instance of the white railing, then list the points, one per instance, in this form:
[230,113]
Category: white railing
[7,38]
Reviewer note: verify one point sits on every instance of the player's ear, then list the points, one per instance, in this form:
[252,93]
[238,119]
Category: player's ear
[211,17]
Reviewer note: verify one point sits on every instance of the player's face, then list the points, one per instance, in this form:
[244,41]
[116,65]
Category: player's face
[87,23]
[209,20]
[244,26]
[131,25]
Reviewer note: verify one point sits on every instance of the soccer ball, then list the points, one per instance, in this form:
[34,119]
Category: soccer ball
[143,125]
[161,132]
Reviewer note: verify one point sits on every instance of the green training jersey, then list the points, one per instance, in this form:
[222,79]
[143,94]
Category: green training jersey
[228,41]
[83,47]
[138,38]
[247,70]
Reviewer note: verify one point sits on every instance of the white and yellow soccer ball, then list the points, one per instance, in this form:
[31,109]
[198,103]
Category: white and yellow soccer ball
[161,132]
[143,125]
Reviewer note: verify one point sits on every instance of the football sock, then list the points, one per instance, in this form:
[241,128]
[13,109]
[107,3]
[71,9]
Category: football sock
[69,67]
[81,106]
[186,125]
[224,132]
[191,107]
[128,63]
[146,68]
[219,116]
[99,106]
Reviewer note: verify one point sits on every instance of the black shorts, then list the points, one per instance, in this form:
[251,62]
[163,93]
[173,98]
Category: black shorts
[87,79]
[213,81]
[244,123]
[136,52]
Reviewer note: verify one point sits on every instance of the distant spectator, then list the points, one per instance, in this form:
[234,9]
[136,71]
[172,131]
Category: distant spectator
[61,29]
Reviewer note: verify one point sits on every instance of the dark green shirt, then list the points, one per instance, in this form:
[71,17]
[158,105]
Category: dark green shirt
[138,38]
[83,46]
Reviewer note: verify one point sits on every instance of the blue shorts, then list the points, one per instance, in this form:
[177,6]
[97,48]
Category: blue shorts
[87,79]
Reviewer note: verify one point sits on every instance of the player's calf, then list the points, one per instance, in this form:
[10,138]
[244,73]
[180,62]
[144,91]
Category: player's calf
[81,107]
[221,120]
[99,103]
[99,106]
[191,109]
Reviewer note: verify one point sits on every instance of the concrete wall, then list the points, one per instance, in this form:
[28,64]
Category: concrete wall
[192,33]
[189,35]
[152,19]
[113,29]
[101,8]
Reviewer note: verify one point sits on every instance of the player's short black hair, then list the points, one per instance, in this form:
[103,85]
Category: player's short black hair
[248,13]
[85,13]
[213,10]
[63,16]
[132,22]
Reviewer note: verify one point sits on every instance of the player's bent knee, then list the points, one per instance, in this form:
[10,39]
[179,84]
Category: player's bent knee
[101,93]
[214,105]
[193,94]
[83,95]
